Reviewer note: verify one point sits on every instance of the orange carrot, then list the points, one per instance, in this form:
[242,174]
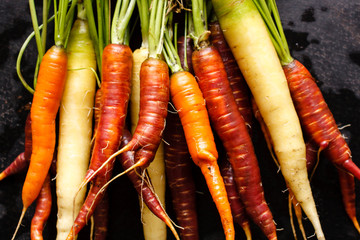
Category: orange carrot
[190,105]
[42,211]
[46,101]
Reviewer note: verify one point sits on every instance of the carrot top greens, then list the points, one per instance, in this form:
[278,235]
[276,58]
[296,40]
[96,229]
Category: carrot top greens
[122,14]
[270,14]
[157,27]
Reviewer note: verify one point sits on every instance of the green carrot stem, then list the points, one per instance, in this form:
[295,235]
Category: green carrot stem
[121,18]
[143,6]
[20,55]
[199,17]
[157,27]
[269,12]
[35,24]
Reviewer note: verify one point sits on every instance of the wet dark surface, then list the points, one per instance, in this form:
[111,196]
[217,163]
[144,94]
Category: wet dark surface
[324,35]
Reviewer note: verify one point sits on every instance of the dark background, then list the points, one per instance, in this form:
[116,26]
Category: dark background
[324,35]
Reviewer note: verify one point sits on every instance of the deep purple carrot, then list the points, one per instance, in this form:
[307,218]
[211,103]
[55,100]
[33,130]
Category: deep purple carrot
[179,177]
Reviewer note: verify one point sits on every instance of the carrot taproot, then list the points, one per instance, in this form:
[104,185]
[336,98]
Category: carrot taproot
[347,187]
[179,177]
[101,215]
[19,164]
[75,124]
[238,84]
[237,207]
[229,123]
[42,211]
[143,187]
[259,63]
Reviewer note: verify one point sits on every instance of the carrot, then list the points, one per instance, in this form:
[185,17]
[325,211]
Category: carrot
[179,176]
[228,123]
[154,92]
[347,186]
[230,127]
[115,87]
[44,108]
[316,117]
[101,215]
[75,124]
[42,211]
[143,188]
[178,163]
[19,164]
[95,195]
[259,63]
[45,105]
[238,85]
[237,207]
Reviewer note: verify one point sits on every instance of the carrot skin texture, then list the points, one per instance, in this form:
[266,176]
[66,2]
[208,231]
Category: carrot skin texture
[143,189]
[190,104]
[231,128]
[237,207]
[116,75]
[46,101]
[347,187]
[179,175]
[316,118]
[91,202]
[42,211]
[101,214]
[154,92]
[238,85]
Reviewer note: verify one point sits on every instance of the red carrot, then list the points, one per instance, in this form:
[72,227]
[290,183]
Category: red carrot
[116,74]
[316,118]
[42,211]
[179,177]
[101,215]
[347,186]
[154,92]
[231,128]
[237,82]
[237,207]
[142,187]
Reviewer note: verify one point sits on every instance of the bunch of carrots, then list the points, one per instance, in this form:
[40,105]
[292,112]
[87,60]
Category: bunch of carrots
[174,106]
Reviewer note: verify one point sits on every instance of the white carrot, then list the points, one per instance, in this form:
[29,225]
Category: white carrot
[250,43]
[75,126]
